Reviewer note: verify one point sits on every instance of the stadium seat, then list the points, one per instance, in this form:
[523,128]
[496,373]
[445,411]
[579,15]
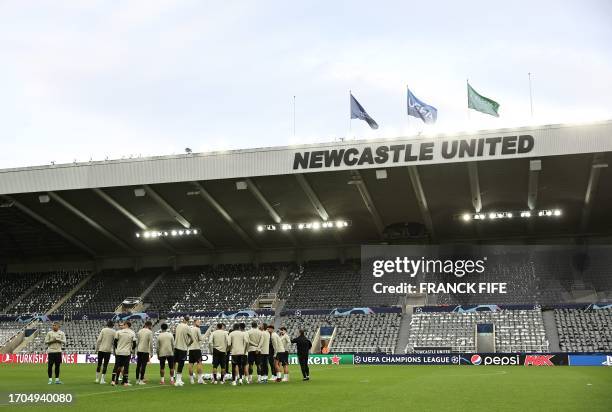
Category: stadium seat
[515,330]
[48,292]
[584,330]
[354,333]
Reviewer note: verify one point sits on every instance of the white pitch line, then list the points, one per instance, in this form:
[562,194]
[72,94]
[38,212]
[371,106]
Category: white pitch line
[479,374]
[120,390]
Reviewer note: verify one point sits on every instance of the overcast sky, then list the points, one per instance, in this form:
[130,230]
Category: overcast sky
[89,79]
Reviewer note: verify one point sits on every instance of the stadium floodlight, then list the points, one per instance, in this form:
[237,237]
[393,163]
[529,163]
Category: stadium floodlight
[154,234]
[314,225]
[525,214]
[510,214]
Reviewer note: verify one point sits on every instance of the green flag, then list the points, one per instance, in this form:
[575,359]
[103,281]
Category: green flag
[481,103]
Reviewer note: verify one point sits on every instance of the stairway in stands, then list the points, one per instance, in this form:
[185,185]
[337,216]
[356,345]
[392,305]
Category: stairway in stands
[550,325]
[404,333]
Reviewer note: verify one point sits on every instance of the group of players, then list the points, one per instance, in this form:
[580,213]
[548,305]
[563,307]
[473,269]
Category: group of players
[258,349]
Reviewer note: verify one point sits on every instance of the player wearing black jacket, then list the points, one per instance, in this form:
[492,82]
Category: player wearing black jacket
[303,348]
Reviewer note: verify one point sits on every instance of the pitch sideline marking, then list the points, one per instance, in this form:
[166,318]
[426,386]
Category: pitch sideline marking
[122,390]
[481,374]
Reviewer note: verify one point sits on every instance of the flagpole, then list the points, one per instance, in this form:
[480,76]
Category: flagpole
[530,96]
[293,115]
[350,116]
[407,108]
[467,89]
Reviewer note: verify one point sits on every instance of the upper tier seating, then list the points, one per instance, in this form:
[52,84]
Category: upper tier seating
[47,293]
[528,279]
[14,285]
[224,287]
[107,289]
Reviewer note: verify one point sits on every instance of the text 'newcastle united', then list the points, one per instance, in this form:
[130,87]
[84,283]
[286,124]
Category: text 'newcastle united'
[423,151]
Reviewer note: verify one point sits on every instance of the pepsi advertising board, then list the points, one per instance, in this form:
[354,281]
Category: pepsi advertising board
[514,359]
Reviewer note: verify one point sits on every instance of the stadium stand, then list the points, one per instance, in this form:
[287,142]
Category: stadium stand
[354,333]
[200,289]
[328,284]
[81,335]
[8,330]
[598,275]
[287,287]
[515,330]
[324,284]
[584,330]
[14,285]
[48,292]
[106,290]
[530,281]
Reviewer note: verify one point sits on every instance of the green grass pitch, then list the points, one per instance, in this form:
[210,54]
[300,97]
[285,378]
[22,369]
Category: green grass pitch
[343,387]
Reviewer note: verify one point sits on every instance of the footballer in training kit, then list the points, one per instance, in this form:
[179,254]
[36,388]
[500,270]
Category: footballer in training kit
[165,353]
[125,343]
[182,340]
[54,340]
[144,351]
[255,336]
[195,352]
[238,343]
[104,348]
[219,340]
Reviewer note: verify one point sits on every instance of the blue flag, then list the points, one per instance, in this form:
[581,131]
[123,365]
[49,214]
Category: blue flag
[358,112]
[423,111]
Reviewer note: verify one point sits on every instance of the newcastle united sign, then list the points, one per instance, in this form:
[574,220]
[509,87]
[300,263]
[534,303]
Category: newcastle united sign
[394,154]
